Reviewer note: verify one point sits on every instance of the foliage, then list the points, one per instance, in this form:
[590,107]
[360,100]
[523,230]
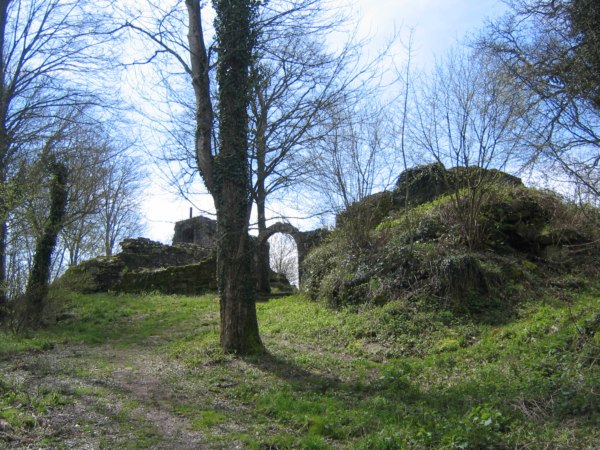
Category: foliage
[49,50]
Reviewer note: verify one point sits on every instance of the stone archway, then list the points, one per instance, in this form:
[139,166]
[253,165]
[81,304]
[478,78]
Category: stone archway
[305,240]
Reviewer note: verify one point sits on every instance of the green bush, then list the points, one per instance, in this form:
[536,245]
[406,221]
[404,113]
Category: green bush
[482,427]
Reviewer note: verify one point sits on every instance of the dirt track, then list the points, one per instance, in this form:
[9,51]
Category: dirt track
[115,398]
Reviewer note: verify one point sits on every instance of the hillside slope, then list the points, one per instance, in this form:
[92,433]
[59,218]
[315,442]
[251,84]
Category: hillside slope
[469,319]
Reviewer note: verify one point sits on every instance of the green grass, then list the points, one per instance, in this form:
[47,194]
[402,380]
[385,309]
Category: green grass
[122,319]
[381,377]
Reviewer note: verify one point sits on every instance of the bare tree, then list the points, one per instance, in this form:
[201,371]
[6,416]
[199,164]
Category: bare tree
[295,81]
[283,256]
[292,81]
[550,51]
[356,158]
[101,179]
[44,45]
[226,173]
[104,198]
[87,156]
[221,153]
[468,117]
[118,216]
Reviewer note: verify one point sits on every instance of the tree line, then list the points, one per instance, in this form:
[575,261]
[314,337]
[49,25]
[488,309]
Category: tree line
[68,187]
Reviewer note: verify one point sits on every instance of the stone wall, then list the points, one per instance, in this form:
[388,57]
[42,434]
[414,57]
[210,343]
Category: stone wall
[142,253]
[189,279]
[200,231]
[142,266]
[186,267]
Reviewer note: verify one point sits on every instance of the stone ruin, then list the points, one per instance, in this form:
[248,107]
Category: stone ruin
[145,265]
[186,267]
[203,231]
[199,230]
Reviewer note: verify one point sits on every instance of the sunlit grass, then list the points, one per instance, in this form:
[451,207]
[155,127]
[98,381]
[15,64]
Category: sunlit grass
[375,378]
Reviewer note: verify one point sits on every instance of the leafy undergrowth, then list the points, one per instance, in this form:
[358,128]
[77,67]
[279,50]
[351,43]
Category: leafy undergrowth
[146,372]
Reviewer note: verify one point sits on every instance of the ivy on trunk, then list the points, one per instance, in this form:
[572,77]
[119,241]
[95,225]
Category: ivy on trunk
[37,285]
[226,173]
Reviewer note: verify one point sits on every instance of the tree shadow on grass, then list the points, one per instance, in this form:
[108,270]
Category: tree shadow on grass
[287,370]
[397,386]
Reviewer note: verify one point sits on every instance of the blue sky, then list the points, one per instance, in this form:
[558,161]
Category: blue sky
[437,24]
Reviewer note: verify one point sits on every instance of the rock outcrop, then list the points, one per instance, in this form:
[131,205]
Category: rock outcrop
[468,240]
[425,183]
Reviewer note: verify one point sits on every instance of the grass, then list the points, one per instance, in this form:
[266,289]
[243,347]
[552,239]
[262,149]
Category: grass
[372,378]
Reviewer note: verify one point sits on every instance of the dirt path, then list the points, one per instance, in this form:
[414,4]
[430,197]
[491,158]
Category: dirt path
[109,397]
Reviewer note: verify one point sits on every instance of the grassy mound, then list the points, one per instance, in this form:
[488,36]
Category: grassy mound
[475,253]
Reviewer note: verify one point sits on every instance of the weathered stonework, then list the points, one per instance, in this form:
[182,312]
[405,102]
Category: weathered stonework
[142,253]
[189,279]
[199,230]
[145,265]
[305,240]
[203,231]
[186,267]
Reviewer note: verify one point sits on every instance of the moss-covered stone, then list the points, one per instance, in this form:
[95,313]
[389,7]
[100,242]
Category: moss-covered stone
[95,275]
[144,265]
[190,279]
[421,184]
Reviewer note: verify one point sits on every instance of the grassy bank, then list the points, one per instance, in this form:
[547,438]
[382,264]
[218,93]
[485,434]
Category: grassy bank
[146,371]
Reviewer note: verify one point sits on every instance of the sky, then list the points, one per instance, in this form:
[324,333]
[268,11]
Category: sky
[437,25]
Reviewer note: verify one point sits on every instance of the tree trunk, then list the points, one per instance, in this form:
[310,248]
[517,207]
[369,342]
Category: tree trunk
[4,148]
[231,174]
[262,251]
[3,244]
[239,324]
[227,174]
[37,285]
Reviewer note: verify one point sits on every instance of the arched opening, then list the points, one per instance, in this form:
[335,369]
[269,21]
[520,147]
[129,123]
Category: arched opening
[304,241]
[283,256]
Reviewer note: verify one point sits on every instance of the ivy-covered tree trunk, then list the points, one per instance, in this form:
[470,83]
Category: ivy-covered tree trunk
[226,174]
[239,325]
[3,296]
[37,285]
